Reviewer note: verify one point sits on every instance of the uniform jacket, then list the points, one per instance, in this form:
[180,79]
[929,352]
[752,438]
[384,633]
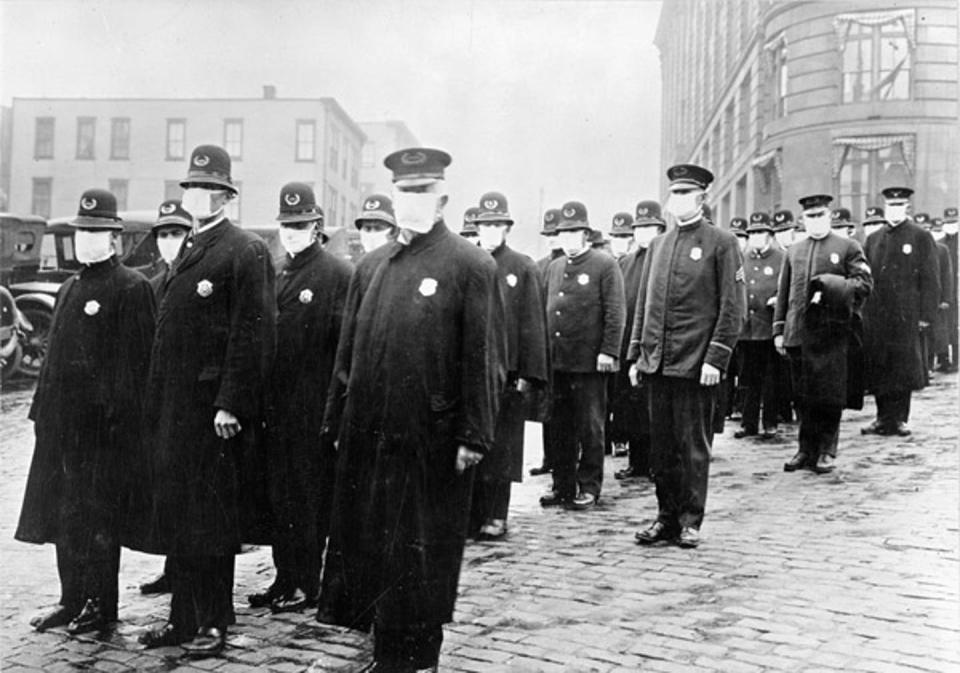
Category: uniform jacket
[585,310]
[951,242]
[87,408]
[761,271]
[544,262]
[214,344]
[690,304]
[906,291]
[948,295]
[421,356]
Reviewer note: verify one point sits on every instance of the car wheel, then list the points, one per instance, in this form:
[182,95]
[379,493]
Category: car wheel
[35,341]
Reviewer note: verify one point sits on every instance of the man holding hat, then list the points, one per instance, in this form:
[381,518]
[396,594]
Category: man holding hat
[311,290]
[758,371]
[86,412]
[526,366]
[376,222]
[213,347]
[421,353]
[689,310]
[823,285]
[585,312]
[903,306]
[631,405]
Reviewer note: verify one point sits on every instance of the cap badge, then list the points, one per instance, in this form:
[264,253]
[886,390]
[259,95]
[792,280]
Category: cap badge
[548,217]
[834,258]
[88,203]
[490,204]
[306,296]
[755,218]
[583,279]
[201,160]
[428,287]
[167,208]
[292,199]
[642,211]
[204,288]
[680,170]
[372,204]
[778,217]
[569,212]
[511,280]
[92,307]
[907,248]
[413,158]
[696,254]
[618,221]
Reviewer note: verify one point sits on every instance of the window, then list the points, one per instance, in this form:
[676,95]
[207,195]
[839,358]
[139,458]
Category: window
[707,156]
[743,133]
[876,62]
[369,157]
[865,171]
[119,189]
[332,206]
[343,211]
[86,137]
[172,190]
[120,138]
[354,177]
[43,138]
[728,139]
[718,149]
[345,153]
[334,148]
[176,139]
[232,209]
[233,137]
[779,88]
[306,140]
[42,196]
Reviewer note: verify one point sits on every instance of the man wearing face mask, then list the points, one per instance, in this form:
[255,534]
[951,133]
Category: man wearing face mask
[939,345]
[87,417]
[376,222]
[873,221]
[949,364]
[421,355]
[690,306]
[526,367]
[585,309]
[469,228]
[213,347]
[840,223]
[631,405]
[783,226]
[904,305]
[758,373]
[738,227]
[621,235]
[823,285]
[311,290]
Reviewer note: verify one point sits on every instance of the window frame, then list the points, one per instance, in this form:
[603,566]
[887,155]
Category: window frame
[298,142]
[91,123]
[48,182]
[182,123]
[227,124]
[115,123]
[36,137]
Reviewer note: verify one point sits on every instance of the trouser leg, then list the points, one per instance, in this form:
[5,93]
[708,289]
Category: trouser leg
[768,386]
[664,455]
[413,647]
[498,499]
[640,431]
[202,593]
[567,446]
[71,587]
[591,407]
[693,414]
[751,377]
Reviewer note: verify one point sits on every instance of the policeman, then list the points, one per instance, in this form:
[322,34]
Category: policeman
[585,313]
[949,365]
[551,218]
[376,222]
[730,393]
[873,220]
[689,310]
[758,373]
[938,340]
[469,229]
[783,226]
[526,365]
[311,290]
[738,226]
[631,405]
[904,305]
[86,412]
[823,285]
[621,235]
[840,223]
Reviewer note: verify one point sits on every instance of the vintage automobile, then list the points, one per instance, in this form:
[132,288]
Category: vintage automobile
[20,241]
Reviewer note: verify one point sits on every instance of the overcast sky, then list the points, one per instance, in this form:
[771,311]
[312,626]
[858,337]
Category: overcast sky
[561,96]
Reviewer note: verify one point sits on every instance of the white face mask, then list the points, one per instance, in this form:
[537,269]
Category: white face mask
[817,227]
[296,240]
[683,205]
[643,235]
[571,242]
[870,228]
[757,241]
[742,242]
[374,238]
[169,246]
[416,211]
[896,213]
[491,238]
[198,201]
[784,238]
[842,232]
[553,243]
[939,235]
[620,245]
[950,228]
[91,247]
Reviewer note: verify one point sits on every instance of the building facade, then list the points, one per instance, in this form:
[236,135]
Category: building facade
[138,149]
[784,98]
[382,139]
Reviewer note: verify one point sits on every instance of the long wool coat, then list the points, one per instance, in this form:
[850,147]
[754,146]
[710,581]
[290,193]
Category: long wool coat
[421,358]
[87,409]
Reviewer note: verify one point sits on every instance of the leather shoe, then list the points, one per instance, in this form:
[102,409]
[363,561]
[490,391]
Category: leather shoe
[165,636]
[769,433]
[265,598]
[619,449]
[825,463]
[689,537]
[627,473]
[91,618]
[52,619]
[552,499]
[295,601]
[657,532]
[209,642]
[875,428]
[494,529]
[161,585]
[901,430]
[743,432]
[795,463]
[582,502]
[537,471]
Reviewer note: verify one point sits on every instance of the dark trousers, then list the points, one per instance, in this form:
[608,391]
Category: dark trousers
[580,409]
[819,429]
[549,440]
[784,389]
[491,500]
[758,378]
[893,408]
[296,556]
[202,593]
[403,650]
[631,422]
[681,432]
[84,576]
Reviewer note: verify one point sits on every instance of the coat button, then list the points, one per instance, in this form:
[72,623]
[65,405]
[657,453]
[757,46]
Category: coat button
[556,334]
[559,294]
[558,312]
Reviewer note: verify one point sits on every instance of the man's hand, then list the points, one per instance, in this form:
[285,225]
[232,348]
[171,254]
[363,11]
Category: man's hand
[467,458]
[634,375]
[944,305]
[772,301]
[522,385]
[709,375]
[923,324]
[606,363]
[226,425]
[778,344]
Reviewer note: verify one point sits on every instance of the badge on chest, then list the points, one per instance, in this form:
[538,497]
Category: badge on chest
[696,253]
[428,287]
[583,279]
[834,258]
[907,248]
[92,307]
[512,280]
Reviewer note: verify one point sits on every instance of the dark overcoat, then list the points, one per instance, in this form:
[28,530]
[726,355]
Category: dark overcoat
[950,241]
[421,358]
[87,408]
[214,344]
[761,270]
[311,290]
[906,291]
[948,296]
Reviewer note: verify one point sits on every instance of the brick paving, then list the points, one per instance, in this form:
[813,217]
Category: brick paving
[854,571]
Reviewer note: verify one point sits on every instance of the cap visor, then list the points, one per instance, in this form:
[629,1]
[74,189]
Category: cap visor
[96,223]
[415,182]
[208,183]
[302,217]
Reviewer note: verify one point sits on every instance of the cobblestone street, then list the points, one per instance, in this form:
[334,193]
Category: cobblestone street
[854,571]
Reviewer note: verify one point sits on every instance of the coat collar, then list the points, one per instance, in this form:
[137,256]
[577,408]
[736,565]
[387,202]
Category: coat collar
[422,242]
[197,246]
[302,258]
[98,268]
